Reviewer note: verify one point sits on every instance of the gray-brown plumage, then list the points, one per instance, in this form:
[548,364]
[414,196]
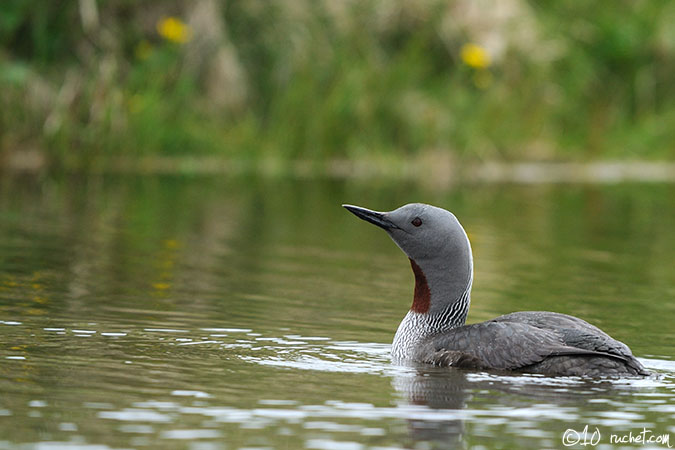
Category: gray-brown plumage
[433,331]
[532,341]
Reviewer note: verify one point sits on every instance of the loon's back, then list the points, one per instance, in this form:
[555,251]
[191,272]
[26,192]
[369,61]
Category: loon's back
[531,341]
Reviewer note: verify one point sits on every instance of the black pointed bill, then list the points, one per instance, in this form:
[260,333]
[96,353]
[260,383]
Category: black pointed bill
[374,217]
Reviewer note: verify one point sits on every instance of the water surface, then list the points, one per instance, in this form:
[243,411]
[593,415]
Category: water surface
[202,313]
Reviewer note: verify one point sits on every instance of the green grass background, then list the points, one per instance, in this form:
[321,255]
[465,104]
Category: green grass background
[321,81]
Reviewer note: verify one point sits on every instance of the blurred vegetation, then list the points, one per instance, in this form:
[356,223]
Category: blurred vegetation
[86,81]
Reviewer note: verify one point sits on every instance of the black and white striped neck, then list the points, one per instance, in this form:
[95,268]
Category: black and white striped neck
[416,327]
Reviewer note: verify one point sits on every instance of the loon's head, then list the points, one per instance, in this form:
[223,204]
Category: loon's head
[437,246]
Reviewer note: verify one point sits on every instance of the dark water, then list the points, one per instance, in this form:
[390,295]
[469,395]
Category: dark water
[206,314]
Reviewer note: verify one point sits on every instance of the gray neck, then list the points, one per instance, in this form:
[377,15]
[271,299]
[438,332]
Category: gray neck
[449,281]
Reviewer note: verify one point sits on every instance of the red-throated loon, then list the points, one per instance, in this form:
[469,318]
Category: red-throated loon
[434,332]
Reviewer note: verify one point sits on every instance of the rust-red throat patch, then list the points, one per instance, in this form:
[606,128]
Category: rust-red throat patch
[422,298]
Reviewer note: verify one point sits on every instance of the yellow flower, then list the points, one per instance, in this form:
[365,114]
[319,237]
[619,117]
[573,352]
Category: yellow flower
[475,56]
[174,30]
[161,286]
[171,243]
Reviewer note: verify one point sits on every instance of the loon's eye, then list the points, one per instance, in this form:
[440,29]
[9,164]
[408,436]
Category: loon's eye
[417,221]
